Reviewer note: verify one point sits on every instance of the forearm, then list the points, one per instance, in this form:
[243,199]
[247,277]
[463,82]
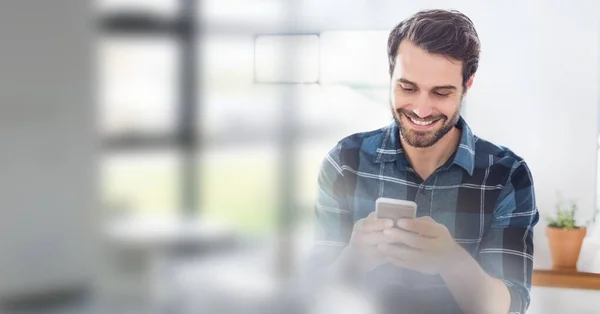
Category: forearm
[473,289]
[350,265]
[341,265]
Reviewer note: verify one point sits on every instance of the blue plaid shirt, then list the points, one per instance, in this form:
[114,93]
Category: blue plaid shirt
[483,194]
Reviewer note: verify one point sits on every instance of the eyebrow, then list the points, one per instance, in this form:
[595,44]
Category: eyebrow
[405,81]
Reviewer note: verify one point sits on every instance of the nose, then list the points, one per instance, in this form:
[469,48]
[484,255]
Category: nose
[423,111]
[424,107]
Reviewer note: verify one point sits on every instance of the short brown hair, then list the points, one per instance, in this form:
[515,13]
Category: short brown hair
[448,33]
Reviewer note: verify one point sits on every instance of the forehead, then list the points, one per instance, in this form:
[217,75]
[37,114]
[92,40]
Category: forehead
[425,69]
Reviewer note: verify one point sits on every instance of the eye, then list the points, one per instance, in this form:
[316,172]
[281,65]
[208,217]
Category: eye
[441,94]
[407,89]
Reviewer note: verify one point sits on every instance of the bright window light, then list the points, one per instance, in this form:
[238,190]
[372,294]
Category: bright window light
[253,13]
[355,58]
[287,59]
[138,82]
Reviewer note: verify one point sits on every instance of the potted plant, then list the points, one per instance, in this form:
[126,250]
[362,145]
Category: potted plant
[565,236]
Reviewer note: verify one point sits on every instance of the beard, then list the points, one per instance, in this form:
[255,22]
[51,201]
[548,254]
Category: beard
[423,139]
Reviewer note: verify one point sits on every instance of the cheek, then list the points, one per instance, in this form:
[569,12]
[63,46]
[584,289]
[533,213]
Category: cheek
[447,107]
[401,100]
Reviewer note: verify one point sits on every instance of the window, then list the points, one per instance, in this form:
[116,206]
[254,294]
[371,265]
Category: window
[141,183]
[205,124]
[138,84]
[242,16]
[287,59]
[355,58]
[240,187]
[140,59]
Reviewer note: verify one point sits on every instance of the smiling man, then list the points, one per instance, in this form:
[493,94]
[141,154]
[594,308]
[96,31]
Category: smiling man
[470,248]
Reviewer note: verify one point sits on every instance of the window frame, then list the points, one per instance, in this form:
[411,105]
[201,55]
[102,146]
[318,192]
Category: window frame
[185,139]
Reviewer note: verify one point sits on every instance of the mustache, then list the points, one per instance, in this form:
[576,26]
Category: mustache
[411,114]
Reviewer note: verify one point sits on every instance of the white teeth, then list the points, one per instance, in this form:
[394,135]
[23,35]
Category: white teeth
[421,122]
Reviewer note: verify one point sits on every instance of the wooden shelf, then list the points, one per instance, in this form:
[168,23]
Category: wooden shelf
[566,278]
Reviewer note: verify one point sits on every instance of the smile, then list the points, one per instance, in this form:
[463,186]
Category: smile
[420,122]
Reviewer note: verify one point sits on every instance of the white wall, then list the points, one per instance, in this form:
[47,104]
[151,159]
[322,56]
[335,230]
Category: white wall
[46,147]
[537,93]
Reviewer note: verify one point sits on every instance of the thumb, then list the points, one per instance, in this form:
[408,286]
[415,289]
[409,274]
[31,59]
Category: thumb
[372,215]
[425,218]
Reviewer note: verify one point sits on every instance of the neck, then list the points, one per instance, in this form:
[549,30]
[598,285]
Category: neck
[426,160]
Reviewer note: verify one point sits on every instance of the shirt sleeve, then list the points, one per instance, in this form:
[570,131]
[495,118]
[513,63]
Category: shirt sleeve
[506,251]
[333,217]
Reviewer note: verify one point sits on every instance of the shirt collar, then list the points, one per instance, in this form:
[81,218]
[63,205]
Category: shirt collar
[465,152]
[387,147]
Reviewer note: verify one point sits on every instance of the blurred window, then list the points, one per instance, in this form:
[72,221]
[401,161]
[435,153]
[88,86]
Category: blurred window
[244,89]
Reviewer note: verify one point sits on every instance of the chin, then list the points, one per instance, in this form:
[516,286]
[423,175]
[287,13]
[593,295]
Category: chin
[421,142]
[420,138]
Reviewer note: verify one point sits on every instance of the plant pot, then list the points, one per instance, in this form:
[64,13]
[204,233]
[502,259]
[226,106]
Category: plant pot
[565,246]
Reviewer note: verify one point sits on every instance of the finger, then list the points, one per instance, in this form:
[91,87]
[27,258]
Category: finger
[401,252]
[372,239]
[423,227]
[395,235]
[373,225]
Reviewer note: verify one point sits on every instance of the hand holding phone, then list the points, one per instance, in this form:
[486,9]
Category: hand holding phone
[395,209]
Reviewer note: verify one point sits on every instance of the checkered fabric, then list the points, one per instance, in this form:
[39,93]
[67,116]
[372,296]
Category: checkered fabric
[483,194]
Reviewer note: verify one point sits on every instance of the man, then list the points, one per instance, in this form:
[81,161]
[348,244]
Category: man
[470,248]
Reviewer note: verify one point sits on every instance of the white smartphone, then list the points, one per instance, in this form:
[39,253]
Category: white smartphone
[395,209]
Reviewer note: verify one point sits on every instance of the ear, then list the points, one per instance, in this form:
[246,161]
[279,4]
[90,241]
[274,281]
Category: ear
[468,84]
